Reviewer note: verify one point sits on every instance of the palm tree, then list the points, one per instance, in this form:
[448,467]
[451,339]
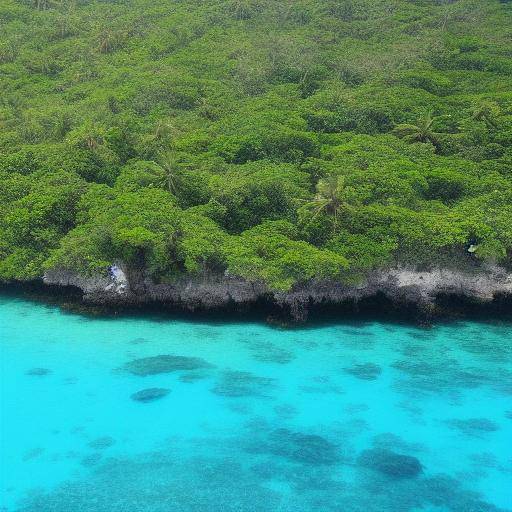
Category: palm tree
[159,141]
[41,5]
[486,112]
[419,132]
[330,198]
[242,9]
[164,131]
[170,166]
[105,41]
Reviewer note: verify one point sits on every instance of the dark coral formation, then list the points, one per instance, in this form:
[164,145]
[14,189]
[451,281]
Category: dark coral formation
[365,371]
[305,448]
[101,443]
[390,441]
[139,341]
[165,364]
[38,372]
[239,384]
[390,463]
[161,482]
[91,460]
[150,394]
[191,377]
[32,454]
[474,426]
[269,353]
[285,411]
[438,373]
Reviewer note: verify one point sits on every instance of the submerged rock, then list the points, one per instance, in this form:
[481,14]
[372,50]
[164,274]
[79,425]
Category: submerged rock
[390,463]
[165,364]
[305,448]
[101,443]
[366,371]
[38,372]
[150,394]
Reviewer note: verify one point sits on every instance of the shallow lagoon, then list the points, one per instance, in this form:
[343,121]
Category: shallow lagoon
[244,417]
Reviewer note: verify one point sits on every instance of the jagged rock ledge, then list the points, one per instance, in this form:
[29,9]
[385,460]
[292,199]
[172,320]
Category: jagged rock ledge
[401,285]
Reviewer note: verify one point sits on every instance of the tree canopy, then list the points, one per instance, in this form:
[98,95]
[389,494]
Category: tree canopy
[276,140]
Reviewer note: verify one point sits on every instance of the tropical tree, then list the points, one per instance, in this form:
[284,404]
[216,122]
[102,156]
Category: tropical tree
[330,198]
[159,140]
[89,135]
[420,132]
[164,131]
[169,163]
[41,5]
[109,39]
[243,9]
[486,112]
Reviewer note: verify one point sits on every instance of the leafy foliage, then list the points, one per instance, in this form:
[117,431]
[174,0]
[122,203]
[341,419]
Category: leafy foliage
[278,141]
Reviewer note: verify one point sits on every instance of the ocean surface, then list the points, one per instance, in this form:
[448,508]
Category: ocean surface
[156,414]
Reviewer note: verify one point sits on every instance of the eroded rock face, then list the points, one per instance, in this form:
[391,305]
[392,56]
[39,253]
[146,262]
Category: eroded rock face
[209,291]
[150,394]
[390,463]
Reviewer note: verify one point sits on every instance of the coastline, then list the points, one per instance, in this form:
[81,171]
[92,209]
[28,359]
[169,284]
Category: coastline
[420,295]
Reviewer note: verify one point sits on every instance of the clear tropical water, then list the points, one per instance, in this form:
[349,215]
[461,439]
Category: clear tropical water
[360,417]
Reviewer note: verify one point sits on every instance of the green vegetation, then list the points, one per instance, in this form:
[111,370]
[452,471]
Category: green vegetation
[278,140]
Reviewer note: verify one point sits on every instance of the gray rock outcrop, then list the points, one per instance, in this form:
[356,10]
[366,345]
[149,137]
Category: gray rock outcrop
[400,284]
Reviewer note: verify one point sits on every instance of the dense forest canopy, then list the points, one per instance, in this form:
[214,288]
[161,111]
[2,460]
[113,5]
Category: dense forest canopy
[277,140]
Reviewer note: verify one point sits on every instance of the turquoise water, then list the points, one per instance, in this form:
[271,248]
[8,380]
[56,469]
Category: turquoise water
[345,417]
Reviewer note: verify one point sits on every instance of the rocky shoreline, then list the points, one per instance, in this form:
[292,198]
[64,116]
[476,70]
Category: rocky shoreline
[401,286]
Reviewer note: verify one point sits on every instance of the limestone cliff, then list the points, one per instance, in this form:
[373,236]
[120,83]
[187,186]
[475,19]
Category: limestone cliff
[401,285]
